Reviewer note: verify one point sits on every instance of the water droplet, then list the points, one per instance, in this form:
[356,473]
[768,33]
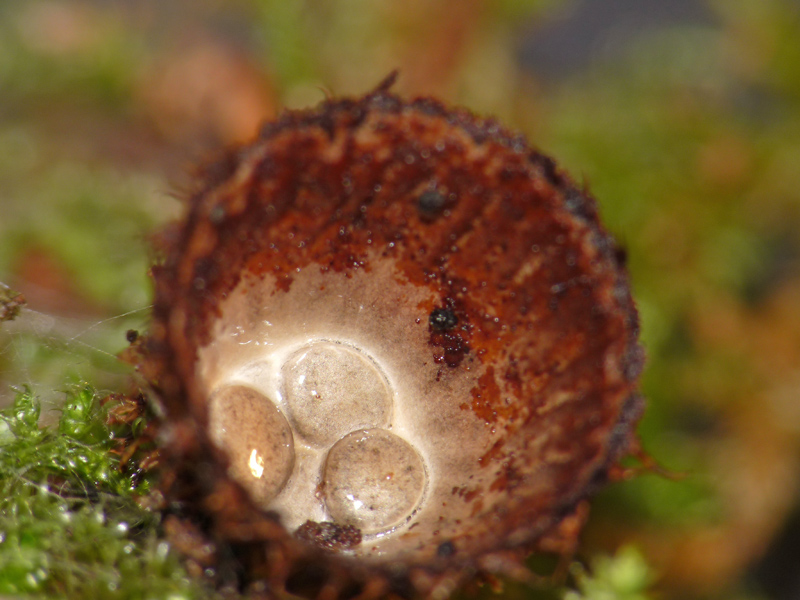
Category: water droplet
[256,437]
[373,479]
[332,389]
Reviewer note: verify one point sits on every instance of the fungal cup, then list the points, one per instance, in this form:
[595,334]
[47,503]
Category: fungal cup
[392,340]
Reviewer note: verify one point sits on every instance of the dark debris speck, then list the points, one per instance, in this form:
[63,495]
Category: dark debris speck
[442,319]
[430,204]
[446,549]
[329,536]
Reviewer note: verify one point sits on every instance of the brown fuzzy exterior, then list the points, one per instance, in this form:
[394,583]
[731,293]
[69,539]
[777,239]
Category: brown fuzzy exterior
[462,206]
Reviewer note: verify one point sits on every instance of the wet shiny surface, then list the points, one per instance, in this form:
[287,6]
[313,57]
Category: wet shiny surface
[332,389]
[373,480]
[256,437]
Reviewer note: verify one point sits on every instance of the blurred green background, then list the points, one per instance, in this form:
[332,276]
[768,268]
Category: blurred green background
[682,117]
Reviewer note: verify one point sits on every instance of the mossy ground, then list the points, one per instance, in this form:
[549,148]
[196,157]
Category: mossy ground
[70,524]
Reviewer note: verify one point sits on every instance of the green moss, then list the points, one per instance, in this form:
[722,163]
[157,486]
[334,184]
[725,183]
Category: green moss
[624,576]
[69,521]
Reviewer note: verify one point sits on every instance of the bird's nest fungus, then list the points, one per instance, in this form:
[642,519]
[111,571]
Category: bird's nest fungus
[395,349]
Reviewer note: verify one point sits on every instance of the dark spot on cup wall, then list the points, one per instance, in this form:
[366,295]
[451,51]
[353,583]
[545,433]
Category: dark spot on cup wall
[430,204]
[442,319]
[446,549]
